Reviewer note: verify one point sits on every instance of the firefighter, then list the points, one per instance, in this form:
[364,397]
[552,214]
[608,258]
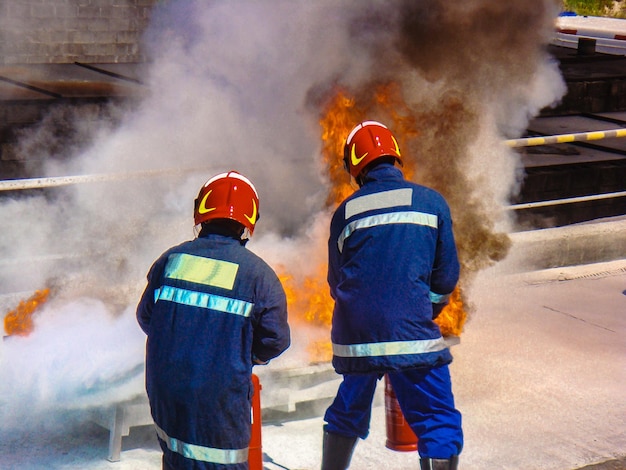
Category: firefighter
[392,265]
[211,310]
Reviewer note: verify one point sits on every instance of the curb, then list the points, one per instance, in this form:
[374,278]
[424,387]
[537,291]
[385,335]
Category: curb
[573,245]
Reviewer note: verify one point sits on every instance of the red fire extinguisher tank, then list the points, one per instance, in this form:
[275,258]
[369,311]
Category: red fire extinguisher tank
[255,449]
[400,436]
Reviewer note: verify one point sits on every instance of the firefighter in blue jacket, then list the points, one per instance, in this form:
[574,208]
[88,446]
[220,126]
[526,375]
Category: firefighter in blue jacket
[392,264]
[211,310]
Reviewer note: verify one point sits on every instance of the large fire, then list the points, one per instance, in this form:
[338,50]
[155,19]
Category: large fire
[340,116]
[309,299]
[19,321]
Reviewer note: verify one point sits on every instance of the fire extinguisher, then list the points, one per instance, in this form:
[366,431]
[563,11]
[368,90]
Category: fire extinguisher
[400,436]
[255,450]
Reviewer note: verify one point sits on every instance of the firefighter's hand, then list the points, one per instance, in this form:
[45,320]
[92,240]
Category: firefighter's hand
[258,362]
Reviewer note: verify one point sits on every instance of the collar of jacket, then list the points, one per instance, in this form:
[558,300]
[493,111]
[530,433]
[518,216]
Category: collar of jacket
[215,229]
[384,171]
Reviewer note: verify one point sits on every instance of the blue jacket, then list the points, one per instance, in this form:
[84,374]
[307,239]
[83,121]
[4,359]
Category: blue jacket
[392,256]
[210,306]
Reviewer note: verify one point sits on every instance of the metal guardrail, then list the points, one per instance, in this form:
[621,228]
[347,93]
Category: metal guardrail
[561,139]
[54,181]
[37,183]
[565,138]
[569,200]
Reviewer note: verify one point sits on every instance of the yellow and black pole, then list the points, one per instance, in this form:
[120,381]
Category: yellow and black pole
[562,139]
[565,138]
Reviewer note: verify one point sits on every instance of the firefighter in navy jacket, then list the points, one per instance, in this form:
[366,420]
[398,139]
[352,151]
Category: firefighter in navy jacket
[392,266]
[211,310]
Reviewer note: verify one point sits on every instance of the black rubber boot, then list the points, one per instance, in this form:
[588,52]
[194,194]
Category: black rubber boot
[440,464]
[337,451]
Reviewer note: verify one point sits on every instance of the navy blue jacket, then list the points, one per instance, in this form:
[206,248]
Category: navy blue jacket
[392,256]
[210,306]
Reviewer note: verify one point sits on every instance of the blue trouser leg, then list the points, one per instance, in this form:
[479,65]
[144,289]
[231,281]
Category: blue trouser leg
[351,411]
[425,397]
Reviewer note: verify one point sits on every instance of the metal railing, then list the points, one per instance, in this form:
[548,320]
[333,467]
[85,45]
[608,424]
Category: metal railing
[46,182]
[569,200]
[562,139]
[54,181]
[565,138]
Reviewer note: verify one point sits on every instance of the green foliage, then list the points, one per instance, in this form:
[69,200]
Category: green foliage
[612,8]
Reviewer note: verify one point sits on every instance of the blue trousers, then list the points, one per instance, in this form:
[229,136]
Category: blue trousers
[425,397]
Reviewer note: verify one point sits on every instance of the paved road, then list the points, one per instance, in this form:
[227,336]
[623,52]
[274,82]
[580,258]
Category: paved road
[539,376]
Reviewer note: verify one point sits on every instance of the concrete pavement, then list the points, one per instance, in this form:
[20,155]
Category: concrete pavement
[539,376]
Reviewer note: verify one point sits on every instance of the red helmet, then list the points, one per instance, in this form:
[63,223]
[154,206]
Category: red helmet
[367,142]
[228,196]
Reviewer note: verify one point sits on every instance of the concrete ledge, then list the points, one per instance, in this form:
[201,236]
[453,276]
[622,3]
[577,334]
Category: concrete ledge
[586,243]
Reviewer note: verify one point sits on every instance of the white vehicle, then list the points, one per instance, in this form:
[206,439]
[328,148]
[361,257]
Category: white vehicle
[609,33]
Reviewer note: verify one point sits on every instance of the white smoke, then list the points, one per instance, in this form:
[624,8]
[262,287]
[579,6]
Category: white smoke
[231,85]
[78,356]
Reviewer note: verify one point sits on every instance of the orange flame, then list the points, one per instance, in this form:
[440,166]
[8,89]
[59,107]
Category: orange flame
[452,318]
[309,302]
[308,298]
[20,320]
[340,117]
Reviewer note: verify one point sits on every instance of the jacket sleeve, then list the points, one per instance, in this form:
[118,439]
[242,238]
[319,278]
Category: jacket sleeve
[146,303]
[445,273]
[271,329]
[332,276]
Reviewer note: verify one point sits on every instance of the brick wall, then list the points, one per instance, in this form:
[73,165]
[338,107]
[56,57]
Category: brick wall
[36,32]
[66,31]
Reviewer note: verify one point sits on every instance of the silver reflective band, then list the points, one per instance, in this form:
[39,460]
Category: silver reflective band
[382,200]
[204,454]
[405,217]
[438,298]
[203,300]
[390,348]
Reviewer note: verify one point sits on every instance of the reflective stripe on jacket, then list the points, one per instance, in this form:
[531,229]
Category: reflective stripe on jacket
[201,453]
[392,256]
[210,306]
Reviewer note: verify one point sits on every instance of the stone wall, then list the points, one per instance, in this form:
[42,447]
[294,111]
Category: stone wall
[67,31]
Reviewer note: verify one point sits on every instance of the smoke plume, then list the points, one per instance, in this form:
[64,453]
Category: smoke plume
[240,85]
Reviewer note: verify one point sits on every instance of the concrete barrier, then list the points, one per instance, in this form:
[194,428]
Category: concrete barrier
[579,244]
